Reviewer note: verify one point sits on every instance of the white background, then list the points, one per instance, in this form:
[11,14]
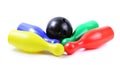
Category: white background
[39,12]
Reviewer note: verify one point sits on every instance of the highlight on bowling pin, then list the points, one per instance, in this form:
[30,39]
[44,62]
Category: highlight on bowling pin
[80,30]
[37,30]
[31,42]
[91,40]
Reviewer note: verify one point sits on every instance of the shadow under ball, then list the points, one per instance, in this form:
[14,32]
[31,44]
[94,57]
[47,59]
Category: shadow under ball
[59,28]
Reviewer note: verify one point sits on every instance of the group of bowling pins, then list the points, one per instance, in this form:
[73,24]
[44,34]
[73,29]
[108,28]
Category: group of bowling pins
[59,37]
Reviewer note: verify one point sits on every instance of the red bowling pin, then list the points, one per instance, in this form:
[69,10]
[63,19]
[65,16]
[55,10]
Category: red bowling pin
[91,40]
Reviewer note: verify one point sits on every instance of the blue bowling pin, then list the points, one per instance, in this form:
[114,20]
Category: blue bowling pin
[37,30]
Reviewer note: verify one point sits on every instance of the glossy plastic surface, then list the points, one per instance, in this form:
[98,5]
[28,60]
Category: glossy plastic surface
[91,40]
[37,30]
[59,28]
[80,30]
[31,42]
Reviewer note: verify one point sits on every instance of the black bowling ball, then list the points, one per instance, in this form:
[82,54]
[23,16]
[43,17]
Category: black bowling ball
[59,28]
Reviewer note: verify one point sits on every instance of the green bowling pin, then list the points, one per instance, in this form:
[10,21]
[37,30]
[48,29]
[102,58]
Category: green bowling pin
[80,30]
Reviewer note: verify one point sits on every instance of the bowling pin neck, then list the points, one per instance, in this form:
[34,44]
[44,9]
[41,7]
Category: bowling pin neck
[79,43]
[72,38]
[66,40]
[56,49]
[71,47]
[77,35]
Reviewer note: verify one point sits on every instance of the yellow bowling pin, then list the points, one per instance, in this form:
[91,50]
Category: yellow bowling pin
[31,42]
